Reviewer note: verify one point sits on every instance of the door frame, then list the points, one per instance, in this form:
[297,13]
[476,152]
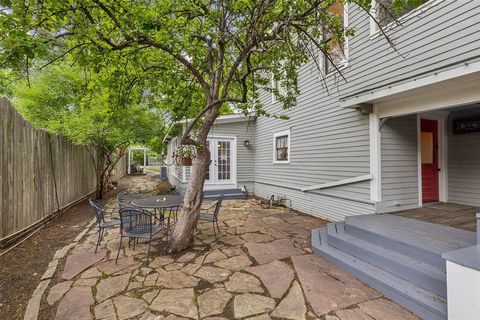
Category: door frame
[233,183]
[441,118]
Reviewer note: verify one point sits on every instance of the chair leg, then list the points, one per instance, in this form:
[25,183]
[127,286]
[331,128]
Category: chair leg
[134,243]
[100,236]
[218,228]
[167,234]
[214,231]
[119,247]
[148,251]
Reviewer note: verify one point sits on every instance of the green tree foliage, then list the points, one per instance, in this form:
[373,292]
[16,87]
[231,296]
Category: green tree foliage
[89,110]
[201,54]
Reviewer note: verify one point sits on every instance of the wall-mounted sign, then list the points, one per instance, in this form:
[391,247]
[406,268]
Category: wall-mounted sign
[466,125]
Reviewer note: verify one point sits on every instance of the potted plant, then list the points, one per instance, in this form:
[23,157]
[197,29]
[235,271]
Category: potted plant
[186,155]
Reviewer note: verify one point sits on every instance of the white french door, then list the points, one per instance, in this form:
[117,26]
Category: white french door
[222,167]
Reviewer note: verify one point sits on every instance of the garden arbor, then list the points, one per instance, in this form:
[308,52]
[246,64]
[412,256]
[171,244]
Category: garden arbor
[145,151]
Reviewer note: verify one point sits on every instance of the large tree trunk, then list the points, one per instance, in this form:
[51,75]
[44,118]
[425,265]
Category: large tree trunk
[184,228]
[187,222]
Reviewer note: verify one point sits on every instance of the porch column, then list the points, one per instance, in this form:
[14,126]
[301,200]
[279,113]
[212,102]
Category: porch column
[144,161]
[478,229]
[463,281]
[128,162]
[375,157]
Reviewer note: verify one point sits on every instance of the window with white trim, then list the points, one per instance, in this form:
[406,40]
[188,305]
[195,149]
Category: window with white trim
[281,147]
[386,12]
[337,57]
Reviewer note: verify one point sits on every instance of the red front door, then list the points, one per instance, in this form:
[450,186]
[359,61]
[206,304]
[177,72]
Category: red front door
[429,155]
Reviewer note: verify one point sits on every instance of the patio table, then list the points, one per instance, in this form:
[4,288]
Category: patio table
[158,202]
[161,203]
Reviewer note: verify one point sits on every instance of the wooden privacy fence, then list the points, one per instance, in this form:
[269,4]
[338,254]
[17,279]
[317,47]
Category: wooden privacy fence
[40,173]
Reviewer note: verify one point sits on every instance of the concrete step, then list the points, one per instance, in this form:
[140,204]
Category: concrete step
[420,301]
[420,240]
[415,271]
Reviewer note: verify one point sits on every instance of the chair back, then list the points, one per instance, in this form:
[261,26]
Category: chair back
[179,191]
[135,221]
[124,198]
[217,206]
[97,208]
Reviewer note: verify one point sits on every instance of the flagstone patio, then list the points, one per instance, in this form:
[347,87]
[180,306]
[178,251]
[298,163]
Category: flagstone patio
[260,268]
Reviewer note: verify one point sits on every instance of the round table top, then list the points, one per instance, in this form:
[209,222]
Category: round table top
[161,201]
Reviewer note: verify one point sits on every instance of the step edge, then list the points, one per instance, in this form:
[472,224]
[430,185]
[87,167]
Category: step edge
[440,274]
[416,298]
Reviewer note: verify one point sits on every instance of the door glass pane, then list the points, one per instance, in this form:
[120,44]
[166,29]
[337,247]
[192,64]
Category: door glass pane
[427,147]
[223,160]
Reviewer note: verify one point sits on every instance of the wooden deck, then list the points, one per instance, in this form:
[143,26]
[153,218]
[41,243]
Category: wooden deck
[447,214]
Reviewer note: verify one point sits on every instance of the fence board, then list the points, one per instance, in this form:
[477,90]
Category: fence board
[27,193]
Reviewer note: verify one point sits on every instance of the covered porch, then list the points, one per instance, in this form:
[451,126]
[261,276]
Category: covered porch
[429,158]
[448,214]
[420,249]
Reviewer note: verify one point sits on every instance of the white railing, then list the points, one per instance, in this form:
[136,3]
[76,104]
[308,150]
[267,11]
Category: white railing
[366,177]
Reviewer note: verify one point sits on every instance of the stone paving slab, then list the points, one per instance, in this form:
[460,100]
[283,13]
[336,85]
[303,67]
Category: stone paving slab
[275,275]
[325,292]
[76,304]
[259,268]
[275,250]
[81,261]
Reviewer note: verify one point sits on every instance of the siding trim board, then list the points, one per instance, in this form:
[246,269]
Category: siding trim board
[460,69]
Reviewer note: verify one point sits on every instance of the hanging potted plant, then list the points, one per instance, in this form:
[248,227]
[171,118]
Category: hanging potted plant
[186,155]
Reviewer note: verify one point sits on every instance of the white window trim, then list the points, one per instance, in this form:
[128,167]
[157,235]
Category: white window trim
[275,84]
[280,134]
[374,30]
[346,62]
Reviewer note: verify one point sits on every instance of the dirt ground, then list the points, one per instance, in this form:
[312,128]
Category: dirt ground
[22,267]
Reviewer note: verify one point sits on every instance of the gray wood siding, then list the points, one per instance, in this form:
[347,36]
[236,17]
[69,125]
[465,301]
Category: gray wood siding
[327,143]
[319,205]
[443,36]
[242,131]
[399,164]
[463,164]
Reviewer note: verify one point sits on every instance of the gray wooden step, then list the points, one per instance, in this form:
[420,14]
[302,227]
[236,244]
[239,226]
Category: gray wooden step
[414,238]
[415,271]
[227,194]
[420,301]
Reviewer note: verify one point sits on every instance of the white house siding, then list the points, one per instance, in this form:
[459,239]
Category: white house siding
[174,172]
[443,36]
[241,130]
[463,163]
[399,164]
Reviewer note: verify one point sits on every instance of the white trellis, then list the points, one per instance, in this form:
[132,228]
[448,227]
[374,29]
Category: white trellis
[145,150]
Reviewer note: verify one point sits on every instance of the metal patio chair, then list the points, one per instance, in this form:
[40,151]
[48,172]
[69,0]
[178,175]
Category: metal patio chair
[138,224]
[174,211]
[211,214]
[125,198]
[99,211]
